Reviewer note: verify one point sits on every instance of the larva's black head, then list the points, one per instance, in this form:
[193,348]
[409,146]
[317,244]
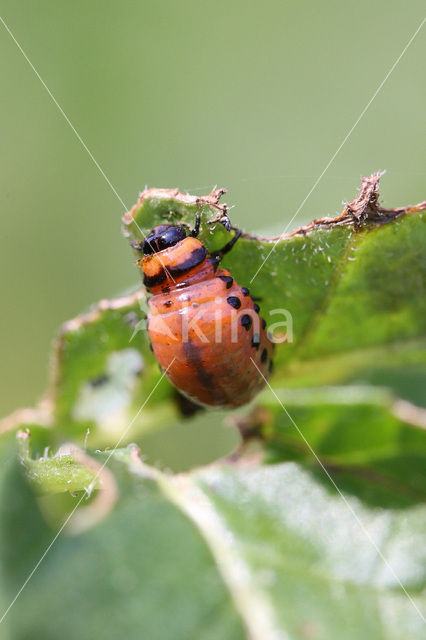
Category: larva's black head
[162,237]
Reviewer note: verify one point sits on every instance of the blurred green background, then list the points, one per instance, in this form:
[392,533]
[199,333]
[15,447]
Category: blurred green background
[255,97]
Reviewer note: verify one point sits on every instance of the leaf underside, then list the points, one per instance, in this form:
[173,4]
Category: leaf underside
[229,551]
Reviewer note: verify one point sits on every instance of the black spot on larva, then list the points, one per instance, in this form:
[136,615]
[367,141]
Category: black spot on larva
[256,308]
[165,289]
[168,303]
[263,323]
[246,322]
[227,280]
[271,366]
[256,341]
[264,356]
[245,291]
[234,302]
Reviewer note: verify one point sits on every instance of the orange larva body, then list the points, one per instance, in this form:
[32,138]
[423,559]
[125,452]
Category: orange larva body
[204,327]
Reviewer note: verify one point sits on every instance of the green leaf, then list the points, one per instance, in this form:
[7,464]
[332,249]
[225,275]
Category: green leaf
[372,444]
[54,474]
[103,372]
[223,552]
[140,570]
[313,555]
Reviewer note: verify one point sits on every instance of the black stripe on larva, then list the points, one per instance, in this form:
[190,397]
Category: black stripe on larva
[264,356]
[196,257]
[234,302]
[228,280]
[246,322]
[245,291]
[256,308]
[155,280]
[256,341]
[263,323]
